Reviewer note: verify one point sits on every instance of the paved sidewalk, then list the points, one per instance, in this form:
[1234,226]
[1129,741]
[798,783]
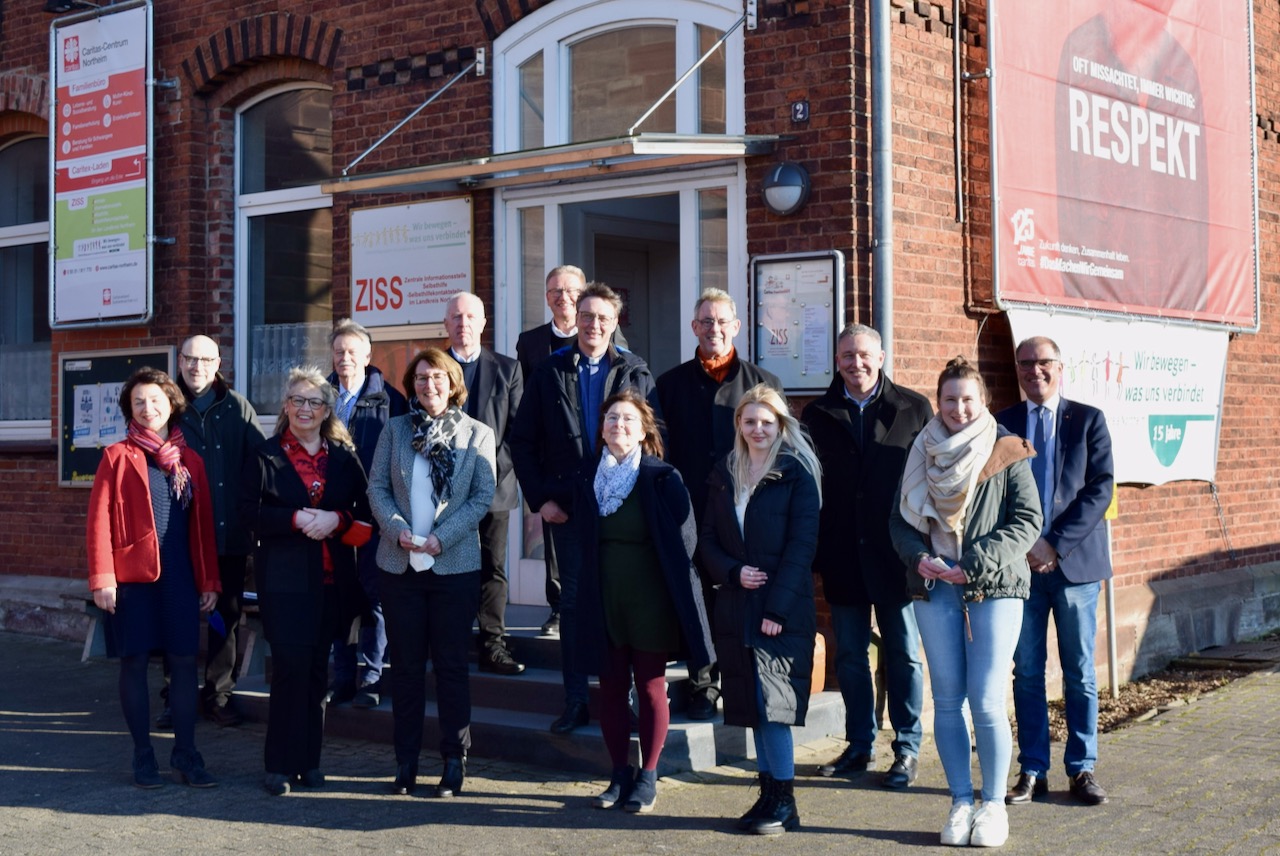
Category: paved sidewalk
[1199,780]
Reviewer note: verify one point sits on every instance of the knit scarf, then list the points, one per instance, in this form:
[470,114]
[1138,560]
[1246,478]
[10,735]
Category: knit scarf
[433,439]
[941,471]
[615,479]
[168,454]
[717,367]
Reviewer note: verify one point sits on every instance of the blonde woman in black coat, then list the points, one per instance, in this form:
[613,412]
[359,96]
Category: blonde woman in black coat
[758,539]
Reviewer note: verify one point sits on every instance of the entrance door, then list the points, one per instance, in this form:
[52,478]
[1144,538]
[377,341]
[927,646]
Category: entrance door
[647,275]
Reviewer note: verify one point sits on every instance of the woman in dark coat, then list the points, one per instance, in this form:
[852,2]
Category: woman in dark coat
[304,497]
[758,539]
[639,595]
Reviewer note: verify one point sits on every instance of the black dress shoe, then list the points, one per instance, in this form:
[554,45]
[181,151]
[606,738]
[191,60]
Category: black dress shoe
[498,660]
[1086,790]
[702,706]
[340,694]
[551,627]
[575,716]
[223,715]
[455,771]
[1029,785]
[850,761]
[406,779]
[902,773]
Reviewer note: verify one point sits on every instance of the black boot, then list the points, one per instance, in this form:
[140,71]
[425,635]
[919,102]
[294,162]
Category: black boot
[619,790]
[753,814]
[644,794]
[189,768]
[406,779]
[455,772]
[146,772]
[779,814]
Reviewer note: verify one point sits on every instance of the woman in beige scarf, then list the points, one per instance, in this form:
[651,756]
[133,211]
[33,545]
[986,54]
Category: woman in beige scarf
[968,514]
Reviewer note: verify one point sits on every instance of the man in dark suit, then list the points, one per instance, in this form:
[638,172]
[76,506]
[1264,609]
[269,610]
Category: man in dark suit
[1074,472]
[698,400]
[862,428]
[494,386]
[554,444]
[564,284]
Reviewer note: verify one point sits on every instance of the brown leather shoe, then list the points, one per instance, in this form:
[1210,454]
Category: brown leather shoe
[1028,787]
[1086,790]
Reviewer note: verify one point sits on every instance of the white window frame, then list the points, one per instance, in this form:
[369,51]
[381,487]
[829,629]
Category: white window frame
[26,234]
[261,204]
[554,29]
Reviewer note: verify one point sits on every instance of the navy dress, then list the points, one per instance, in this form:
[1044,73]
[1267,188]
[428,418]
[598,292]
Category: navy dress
[165,614]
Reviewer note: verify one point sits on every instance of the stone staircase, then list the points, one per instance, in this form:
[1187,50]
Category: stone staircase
[511,715]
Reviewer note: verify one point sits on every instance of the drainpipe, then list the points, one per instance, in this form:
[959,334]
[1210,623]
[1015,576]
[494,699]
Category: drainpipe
[881,180]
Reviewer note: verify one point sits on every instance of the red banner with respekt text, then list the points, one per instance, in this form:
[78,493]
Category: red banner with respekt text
[1125,157]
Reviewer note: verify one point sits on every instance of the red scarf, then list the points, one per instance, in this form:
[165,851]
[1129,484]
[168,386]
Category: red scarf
[168,454]
[717,367]
[312,469]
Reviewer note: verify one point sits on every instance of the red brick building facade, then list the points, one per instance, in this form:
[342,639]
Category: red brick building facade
[1196,563]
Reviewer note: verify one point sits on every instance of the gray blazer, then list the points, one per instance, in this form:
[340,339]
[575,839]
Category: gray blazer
[456,520]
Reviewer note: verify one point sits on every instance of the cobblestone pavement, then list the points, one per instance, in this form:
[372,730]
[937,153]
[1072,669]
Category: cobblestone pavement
[1197,780]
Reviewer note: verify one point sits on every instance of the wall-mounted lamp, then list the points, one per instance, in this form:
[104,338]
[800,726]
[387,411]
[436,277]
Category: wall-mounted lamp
[57,7]
[785,188]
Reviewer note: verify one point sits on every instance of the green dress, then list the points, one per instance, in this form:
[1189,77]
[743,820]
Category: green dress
[638,610]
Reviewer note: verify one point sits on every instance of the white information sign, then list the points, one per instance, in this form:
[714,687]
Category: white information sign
[406,261]
[1159,385]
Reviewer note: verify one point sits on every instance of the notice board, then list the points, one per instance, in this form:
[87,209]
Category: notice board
[89,416]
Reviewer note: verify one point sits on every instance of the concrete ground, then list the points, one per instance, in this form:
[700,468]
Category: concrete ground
[1200,779]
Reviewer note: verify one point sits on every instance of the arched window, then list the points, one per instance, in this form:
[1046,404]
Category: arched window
[583,70]
[284,237]
[24,287]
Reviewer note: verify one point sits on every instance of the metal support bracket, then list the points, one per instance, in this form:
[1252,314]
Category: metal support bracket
[751,15]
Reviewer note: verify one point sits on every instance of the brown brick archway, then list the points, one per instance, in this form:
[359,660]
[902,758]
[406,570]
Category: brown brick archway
[249,41]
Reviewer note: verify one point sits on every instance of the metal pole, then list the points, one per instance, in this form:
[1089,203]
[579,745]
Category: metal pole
[1113,665]
[632,130]
[881,179]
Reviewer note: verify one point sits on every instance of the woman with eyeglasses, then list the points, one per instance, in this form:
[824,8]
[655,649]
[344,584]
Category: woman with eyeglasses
[305,500]
[432,481]
[639,595]
[153,566]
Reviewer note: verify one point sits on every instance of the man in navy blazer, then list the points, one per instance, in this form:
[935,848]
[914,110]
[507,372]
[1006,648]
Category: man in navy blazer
[494,387]
[1076,479]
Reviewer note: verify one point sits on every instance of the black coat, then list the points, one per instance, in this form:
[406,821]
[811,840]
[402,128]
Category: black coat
[855,555]
[781,533]
[669,516]
[289,566]
[494,398]
[698,411]
[549,445]
[535,345]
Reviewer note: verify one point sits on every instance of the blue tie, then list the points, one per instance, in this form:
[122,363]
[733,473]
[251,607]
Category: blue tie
[344,406]
[1040,463]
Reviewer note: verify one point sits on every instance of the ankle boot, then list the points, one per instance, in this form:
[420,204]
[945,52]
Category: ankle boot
[619,790]
[455,772]
[189,767]
[753,814]
[644,794]
[406,779]
[779,814]
[146,771]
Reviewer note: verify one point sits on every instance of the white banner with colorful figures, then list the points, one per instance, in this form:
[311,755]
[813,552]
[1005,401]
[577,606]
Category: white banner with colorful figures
[1159,385]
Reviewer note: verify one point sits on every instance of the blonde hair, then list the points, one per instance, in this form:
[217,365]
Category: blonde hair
[332,428]
[792,439]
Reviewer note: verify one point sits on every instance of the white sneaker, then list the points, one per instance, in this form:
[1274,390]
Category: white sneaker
[959,824]
[990,826]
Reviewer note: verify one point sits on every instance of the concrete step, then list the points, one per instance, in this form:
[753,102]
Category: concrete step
[517,730]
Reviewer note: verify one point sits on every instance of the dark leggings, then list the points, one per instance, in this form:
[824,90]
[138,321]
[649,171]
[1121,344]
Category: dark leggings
[650,672]
[135,701]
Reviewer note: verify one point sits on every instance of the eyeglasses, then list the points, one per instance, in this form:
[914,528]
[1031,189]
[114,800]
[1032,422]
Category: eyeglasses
[437,378]
[301,403]
[621,418]
[586,319]
[1029,365]
[192,362]
[708,323]
[563,292]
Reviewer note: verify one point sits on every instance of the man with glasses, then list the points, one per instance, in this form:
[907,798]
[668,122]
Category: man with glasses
[698,399]
[564,284]
[555,443]
[222,427]
[494,386]
[1074,472]
[364,403]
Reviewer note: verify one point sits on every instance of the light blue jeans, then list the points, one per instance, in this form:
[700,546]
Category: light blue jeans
[974,671]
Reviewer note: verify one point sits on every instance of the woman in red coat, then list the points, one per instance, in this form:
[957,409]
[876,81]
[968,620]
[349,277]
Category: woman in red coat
[153,566]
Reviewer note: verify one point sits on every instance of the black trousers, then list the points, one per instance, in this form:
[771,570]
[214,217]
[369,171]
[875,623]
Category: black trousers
[430,615]
[553,568]
[299,681]
[492,617]
[221,668]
